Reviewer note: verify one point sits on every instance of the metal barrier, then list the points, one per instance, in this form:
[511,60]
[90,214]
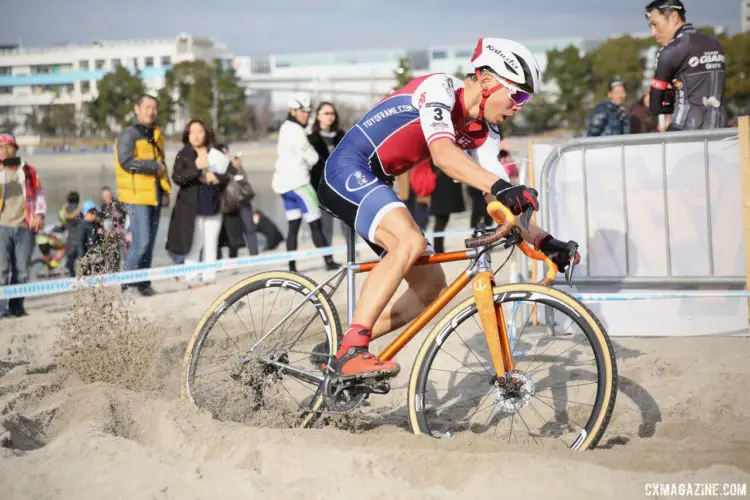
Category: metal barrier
[663,141]
[651,211]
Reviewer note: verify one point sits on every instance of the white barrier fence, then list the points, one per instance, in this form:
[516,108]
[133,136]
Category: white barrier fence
[657,216]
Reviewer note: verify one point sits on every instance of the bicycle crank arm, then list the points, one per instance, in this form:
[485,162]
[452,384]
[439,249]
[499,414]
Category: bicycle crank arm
[373,387]
[303,375]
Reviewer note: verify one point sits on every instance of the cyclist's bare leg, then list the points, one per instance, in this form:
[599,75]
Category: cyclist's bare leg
[404,243]
[425,284]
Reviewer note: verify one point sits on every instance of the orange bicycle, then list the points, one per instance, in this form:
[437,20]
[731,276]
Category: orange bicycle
[488,366]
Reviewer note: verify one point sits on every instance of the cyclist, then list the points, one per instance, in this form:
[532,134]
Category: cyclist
[441,117]
[692,64]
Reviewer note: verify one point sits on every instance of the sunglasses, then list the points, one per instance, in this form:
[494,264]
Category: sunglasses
[518,96]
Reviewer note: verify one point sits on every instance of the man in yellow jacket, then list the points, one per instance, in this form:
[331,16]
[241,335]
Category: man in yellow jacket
[142,184]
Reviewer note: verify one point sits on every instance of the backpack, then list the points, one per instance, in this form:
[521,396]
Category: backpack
[236,193]
[423,179]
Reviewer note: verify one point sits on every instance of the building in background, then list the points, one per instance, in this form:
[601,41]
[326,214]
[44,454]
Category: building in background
[745,15]
[34,79]
[360,78]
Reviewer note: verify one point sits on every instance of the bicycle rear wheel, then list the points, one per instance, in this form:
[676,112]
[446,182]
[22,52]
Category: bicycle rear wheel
[251,360]
[562,388]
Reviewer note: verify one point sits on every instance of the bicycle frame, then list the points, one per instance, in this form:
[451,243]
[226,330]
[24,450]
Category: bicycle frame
[481,276]
[483,282]
[480,272]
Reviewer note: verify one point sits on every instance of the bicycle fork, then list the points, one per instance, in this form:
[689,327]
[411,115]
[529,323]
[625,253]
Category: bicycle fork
[493,325]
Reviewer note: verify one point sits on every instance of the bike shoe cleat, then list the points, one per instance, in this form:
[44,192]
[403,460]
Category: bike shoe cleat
[359,364]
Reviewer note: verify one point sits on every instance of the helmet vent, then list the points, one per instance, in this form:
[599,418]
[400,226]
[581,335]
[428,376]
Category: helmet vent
[527,76]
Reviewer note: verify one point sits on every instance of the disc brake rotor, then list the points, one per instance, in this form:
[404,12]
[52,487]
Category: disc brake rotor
[516,394]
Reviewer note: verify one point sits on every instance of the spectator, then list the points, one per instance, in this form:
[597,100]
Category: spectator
[142,184]
[326,135]
[113,220]
[291,178]
[201,173]
[688,84]
[268,229]
[509,165]
[113,212]
[479,218]
[91,234]
[70,218]
[22,213]
[641,119]
[90,242]
[418,206]
[609,117]
[238,227]
[446,199]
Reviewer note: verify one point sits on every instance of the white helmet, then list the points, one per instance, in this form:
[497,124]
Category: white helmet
[300,100]
[509,60]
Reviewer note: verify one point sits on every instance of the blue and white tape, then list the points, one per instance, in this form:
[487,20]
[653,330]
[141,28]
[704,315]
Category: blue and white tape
[665,295]
[66,285]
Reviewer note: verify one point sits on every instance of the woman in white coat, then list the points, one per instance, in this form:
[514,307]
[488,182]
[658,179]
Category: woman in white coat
[291,178]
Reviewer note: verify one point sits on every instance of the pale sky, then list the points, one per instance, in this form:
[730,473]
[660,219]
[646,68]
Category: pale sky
[277,26]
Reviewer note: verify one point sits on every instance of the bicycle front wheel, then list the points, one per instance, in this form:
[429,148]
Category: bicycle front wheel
[562,387]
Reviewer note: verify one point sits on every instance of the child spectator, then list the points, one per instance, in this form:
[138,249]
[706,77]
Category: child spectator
[90,243]
[70,218]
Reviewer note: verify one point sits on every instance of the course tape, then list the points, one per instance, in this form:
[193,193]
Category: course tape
[67,285]
[616,297]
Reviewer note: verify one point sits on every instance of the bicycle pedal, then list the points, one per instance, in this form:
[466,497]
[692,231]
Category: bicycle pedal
[365,386]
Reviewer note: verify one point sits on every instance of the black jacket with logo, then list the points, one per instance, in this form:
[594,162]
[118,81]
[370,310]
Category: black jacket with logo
[693,64]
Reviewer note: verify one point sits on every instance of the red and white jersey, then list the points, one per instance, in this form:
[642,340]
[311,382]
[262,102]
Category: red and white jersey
[395,134]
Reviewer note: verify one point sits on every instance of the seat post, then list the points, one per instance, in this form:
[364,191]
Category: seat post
[351,285]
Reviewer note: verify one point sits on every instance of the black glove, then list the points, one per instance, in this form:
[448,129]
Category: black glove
[516,197]
[559,251]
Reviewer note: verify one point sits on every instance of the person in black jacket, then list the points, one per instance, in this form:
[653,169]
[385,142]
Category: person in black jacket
[326,135]
[265,226]
[447,199]
[609,116]
[70,218]
[196,218]
[688,83]
[238,228]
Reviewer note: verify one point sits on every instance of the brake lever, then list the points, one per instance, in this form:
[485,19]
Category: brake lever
[525,218]
[572,250]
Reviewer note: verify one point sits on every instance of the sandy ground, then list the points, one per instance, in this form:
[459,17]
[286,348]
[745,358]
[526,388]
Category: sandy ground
[681,416]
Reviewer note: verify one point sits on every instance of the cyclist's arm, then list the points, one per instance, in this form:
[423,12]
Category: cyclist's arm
[457,165]
[435,99]
[661,102]
[486,155]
